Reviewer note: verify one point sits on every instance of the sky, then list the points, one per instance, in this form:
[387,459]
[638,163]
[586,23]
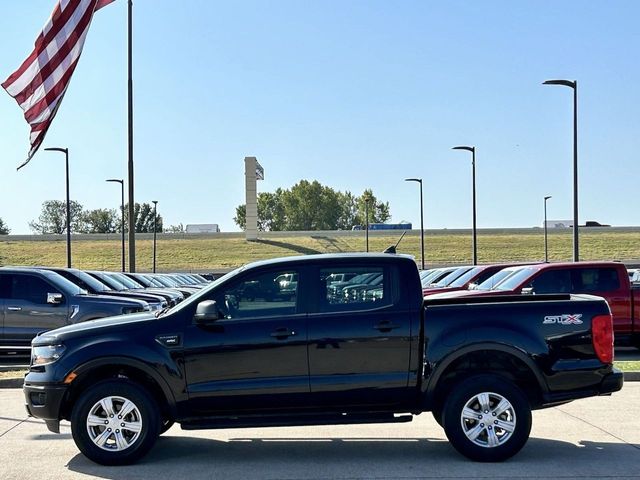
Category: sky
[354,94]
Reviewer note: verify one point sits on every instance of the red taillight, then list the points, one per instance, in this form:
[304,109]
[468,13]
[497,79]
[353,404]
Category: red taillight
[602,337]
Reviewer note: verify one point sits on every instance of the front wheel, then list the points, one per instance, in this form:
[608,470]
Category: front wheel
[487,418]
[115,422]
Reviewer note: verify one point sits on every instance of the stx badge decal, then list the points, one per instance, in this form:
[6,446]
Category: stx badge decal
[565,319]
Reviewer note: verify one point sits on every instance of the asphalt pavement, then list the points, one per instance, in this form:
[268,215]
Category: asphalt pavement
[595,438]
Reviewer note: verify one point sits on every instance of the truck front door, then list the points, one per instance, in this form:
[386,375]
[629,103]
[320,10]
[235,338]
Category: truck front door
[254,357]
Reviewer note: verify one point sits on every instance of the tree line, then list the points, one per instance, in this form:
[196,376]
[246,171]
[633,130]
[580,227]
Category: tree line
[305,206]
[53,219]
[313,206]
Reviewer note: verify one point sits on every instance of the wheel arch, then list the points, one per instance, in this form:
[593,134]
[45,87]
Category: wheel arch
[119,367]
[487,357]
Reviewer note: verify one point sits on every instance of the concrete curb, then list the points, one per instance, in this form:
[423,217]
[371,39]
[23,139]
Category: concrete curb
[18,381]
[11,382]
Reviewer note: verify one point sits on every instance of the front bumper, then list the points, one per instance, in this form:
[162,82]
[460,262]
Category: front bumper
[45,402]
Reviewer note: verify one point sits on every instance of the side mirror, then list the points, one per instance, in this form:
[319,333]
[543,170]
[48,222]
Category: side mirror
[472,286]
[207,312]
[54,298]
[527,291]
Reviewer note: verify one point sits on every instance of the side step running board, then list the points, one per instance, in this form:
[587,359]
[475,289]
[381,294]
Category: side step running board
[292,420]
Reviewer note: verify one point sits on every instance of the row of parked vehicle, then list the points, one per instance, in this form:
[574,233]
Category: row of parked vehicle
[610,280]
[33,300]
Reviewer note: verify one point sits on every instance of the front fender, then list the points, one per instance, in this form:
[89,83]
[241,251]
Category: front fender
[158,364]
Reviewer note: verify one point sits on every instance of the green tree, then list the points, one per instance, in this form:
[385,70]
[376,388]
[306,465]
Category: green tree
[53,217]
[4,229]
[378,211]
[101,220]
[313,206]
[271,214]
[241,215]
[142,218]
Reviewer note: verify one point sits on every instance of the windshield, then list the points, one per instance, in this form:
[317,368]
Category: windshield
[513,281]
[95,285]
[166,281]
[426,280]
[153,282]
[426,273]
[111,282]
[466,277]
[123,279]
[495,279]
[144,282]
[446,281]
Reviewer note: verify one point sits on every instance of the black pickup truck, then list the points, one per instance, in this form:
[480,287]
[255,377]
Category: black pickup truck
[244,352]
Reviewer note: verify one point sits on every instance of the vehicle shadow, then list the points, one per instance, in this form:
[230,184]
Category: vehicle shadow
[330,244]
[289,246]
[315,458]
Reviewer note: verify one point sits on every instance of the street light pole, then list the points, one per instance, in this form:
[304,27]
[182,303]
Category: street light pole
[130,170]
[366,214]
[155,220]
[546,254]
[473,196]
[574,85]
[66,156]
[121,182]
[419,180]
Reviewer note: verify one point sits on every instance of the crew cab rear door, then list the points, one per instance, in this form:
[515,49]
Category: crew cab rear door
[359,338]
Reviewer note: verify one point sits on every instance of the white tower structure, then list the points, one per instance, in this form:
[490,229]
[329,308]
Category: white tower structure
[253,172]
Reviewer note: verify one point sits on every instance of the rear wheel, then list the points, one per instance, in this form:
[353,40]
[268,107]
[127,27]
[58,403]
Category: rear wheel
[487,418]
[115,422]
[437,413]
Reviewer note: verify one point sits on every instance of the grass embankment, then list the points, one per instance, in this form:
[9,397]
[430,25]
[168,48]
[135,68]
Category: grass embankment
[210,253]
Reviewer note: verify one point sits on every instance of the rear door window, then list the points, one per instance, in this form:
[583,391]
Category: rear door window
[366,288]
[595,280]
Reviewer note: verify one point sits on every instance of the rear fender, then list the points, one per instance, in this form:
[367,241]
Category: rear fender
[440,367]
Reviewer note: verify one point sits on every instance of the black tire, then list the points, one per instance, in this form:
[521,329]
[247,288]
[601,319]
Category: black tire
[141,423]
[481,437]
[437,414]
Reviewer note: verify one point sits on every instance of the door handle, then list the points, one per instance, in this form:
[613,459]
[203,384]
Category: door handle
[14,309]
[282,333]
[386,326]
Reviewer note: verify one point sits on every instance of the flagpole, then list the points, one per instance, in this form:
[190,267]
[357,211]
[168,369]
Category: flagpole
[132,229]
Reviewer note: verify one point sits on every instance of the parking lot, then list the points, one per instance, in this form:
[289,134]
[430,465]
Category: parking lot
[591,438]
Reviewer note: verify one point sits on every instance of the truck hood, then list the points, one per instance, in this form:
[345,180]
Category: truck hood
[102,325]
[106,299]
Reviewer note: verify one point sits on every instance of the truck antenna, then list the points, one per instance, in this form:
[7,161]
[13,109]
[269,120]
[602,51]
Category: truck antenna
[392,248]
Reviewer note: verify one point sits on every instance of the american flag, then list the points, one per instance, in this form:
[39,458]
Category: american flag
[42,80]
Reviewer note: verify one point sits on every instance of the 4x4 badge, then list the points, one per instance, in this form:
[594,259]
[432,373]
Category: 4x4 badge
[566,319]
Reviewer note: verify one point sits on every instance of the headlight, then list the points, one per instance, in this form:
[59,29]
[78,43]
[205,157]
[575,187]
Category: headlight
[46,354]
[153,307]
